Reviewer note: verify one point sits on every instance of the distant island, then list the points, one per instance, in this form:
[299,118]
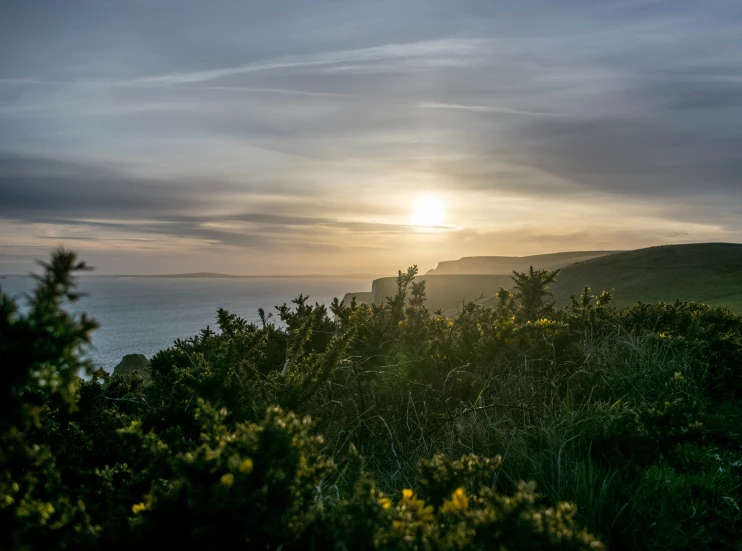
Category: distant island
[212,275]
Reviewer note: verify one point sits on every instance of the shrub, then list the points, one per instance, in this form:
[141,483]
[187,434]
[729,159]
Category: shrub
[618,415]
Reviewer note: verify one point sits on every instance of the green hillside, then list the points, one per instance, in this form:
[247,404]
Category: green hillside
[705,272]
[498,265]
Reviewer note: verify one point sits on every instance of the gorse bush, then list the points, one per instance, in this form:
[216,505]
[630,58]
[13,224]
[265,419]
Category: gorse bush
[511,426]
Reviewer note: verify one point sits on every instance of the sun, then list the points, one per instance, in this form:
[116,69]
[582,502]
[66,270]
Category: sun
[428,211]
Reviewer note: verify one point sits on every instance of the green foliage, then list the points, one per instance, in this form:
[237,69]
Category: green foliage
[254,484]
[39,357]
[38,350]
[618,416]
[643,432]
[531,288]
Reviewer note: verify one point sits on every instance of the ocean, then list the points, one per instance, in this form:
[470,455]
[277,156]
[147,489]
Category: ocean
[145,315]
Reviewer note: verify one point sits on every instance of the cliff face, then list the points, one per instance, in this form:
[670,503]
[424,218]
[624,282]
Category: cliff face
[498,265]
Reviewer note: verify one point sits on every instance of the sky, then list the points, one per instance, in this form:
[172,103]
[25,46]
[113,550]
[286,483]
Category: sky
[305,136]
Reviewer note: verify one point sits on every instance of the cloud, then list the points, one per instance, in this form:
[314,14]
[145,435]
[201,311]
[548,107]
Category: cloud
[33,186]
[268,127]
[441,52]
[641,157]
[167,86]
[380,227]
[82,202]
[486,109]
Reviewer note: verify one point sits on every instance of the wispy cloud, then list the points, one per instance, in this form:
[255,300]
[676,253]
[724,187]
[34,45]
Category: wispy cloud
[285,91]
[165,85]
[16,81]
[487,109]
[425,50]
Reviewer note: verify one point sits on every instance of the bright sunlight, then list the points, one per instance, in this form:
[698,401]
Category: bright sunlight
[428,211]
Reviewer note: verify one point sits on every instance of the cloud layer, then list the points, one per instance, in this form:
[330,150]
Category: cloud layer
[299,135]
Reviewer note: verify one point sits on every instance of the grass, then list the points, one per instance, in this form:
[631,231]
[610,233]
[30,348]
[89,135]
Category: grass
[544,421]
[710,273]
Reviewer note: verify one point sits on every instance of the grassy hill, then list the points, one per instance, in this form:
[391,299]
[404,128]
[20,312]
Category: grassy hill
[705,272]
[499,265]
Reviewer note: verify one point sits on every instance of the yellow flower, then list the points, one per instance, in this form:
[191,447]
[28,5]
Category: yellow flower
[423,513]
[138,508]
[46,510]
[385,503]
[407,494]
[459,498]
[246,466]
[459,501]
[227,479]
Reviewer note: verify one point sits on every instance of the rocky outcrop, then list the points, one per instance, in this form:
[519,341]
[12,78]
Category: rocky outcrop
[133,363]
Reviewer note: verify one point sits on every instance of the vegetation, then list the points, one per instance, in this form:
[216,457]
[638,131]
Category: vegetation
[710,273]
[511,426]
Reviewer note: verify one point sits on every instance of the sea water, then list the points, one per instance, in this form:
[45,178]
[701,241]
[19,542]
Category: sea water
[145,315]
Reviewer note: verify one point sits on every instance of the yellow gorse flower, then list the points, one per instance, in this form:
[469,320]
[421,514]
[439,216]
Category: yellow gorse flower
[246,466]
[459,498]
[227,479]
[142,506]
[458,502]
[413,510]
[385,503]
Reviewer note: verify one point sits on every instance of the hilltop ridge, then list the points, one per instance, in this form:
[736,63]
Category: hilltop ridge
[499,265]
[702,272]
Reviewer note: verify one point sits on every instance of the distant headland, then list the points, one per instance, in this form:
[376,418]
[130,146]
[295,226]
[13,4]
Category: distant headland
[212,275]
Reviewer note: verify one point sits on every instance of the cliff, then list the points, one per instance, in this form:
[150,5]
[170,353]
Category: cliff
[498,265]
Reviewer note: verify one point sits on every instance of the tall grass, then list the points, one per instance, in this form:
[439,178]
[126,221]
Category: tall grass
[541,415]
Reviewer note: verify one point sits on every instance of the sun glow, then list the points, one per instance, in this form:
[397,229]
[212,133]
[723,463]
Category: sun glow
[428,211]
